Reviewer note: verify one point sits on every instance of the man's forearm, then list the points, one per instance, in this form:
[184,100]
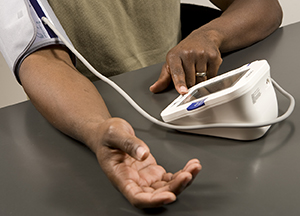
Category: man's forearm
[244,22]
[64,97]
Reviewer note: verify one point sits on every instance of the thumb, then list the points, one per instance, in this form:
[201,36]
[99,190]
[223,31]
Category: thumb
[135,147]
[120,135]
[163,81]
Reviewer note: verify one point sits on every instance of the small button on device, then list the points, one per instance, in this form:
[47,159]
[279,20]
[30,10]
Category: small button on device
[196,105]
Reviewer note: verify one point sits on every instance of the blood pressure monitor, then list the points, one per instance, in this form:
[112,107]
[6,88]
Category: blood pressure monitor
[240,104]
[244,95]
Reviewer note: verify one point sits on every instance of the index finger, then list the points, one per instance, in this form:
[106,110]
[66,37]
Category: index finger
[178,75]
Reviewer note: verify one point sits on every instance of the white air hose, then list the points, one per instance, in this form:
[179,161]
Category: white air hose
[164,124]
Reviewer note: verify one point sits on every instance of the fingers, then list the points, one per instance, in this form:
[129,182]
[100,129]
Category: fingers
[182,71]
[163,81]
[193,167]
[186,176]
[201,71]
[145,198]
[183,178]
[164,191]
[198,53]
[177,182]
[158,194]
[144,183]
[181,76]
[213,66]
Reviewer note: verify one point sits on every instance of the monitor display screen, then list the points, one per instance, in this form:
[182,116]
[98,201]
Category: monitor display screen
[214,87]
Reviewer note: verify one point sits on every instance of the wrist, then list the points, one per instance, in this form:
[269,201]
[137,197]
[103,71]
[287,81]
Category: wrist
[94,131]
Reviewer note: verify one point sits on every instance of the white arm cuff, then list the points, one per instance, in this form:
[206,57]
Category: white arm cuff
[22,32]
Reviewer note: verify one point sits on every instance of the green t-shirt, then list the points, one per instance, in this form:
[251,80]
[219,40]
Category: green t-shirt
[117,36]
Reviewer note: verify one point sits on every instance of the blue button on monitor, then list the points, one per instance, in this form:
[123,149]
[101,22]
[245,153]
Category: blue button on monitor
[196,105]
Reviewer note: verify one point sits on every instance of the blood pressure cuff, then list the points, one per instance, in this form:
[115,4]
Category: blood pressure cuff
[22,31]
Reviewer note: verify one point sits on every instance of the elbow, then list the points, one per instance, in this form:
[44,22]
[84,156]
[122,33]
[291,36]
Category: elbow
[272,19]
[276,17]
[279,16]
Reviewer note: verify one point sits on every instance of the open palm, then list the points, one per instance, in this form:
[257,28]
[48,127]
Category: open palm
[142,181]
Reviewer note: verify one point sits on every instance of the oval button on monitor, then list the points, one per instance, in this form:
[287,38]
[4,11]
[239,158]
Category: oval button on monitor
[196,105]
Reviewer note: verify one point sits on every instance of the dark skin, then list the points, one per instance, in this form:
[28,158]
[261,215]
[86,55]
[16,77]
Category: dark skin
[77,109]
[242,23]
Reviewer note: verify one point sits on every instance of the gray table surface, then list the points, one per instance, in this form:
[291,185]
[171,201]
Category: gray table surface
[44,172]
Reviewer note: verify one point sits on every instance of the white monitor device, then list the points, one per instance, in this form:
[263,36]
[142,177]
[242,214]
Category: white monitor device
[240,104]
[244,95]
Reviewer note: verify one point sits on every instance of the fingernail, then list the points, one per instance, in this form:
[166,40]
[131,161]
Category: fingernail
[140,153]
[166,202]
[152,86]
[185,184]
[183,90]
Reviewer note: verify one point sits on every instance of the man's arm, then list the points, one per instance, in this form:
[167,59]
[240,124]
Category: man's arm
[71,103]
[242,23]
[67,99]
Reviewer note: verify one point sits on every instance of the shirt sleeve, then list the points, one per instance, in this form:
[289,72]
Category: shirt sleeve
[22,31]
